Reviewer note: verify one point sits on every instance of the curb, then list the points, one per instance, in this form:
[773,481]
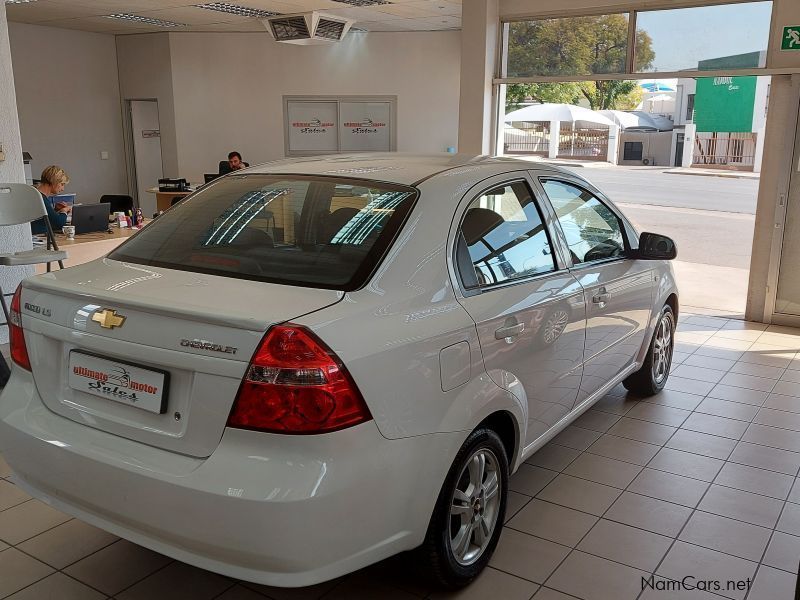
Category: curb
[707,174]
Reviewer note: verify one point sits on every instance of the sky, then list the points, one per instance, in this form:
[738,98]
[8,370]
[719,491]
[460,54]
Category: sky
[681,37]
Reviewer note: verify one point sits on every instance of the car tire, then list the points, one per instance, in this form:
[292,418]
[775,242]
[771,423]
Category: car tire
[468,518]
[653,374]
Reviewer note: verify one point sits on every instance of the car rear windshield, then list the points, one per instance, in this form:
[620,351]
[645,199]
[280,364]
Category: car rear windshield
[323,232]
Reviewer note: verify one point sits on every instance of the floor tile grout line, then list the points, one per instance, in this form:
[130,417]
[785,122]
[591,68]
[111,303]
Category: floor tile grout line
[233,585]
[30,584]
[601,517]
[141,579]
[73,562]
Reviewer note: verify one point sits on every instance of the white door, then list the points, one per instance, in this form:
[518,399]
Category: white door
[530,312]
[146,151]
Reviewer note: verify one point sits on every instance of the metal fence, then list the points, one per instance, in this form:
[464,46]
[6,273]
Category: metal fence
[583,142]
[725,150]
[527,137]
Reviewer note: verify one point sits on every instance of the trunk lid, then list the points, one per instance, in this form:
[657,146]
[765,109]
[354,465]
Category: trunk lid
[139,331]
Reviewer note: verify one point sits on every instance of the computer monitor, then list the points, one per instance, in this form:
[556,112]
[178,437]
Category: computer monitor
[209,177]
[87,218]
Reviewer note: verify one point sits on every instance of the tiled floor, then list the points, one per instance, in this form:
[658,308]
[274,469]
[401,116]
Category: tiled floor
[698,481]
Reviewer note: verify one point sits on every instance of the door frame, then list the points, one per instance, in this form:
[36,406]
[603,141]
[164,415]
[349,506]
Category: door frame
[130,152]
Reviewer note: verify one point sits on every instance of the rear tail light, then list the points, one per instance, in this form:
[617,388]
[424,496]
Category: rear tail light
[19,352]
[295,384]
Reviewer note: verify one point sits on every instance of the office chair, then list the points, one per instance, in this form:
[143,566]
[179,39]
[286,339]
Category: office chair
[118,202]
[21,203]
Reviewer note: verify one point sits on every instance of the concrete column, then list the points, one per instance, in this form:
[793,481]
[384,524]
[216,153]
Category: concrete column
[501,128]
[773,191]
[11,169]
[690,133]
[555,137]
[480,30]
[613,145]
[759,156]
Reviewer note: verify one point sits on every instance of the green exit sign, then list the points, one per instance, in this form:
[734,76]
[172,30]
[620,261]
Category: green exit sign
[791,38]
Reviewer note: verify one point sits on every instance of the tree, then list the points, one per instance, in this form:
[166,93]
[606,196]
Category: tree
[579,46]
[559,93]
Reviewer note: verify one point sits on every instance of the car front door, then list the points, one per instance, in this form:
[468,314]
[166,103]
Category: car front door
[618,289]
[528,308]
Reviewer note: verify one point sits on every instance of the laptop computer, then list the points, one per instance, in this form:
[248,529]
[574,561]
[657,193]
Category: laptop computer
[209,177]
[90,217]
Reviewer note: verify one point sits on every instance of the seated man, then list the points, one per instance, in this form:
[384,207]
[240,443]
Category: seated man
[234,163]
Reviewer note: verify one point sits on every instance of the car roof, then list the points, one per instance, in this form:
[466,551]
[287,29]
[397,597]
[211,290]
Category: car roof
[393,167]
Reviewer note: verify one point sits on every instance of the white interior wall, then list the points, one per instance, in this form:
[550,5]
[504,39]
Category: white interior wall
[145,73]
[16,237]
[228,89]
[69,110]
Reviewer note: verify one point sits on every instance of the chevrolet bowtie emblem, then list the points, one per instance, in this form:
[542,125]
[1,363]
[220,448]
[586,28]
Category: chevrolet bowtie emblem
[108,318]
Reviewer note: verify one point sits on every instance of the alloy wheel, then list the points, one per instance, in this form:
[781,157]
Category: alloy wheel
[475,506]
[662,349]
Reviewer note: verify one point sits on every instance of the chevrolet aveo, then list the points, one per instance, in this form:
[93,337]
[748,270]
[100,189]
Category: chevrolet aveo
[309,366]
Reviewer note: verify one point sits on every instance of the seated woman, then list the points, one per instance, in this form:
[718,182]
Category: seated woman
[53,180]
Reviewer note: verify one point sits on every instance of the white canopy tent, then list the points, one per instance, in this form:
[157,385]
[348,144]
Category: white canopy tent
[635,121]
[558,112]
[555,114]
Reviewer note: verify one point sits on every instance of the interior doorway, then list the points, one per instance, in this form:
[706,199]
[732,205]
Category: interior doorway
[143,141]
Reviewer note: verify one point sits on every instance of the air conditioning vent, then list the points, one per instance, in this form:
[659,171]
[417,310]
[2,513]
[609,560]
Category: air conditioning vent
[330,30]
[289,28]
[307,28]
[648,161]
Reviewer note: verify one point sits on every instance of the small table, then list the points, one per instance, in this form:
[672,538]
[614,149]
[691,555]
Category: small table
[89,246]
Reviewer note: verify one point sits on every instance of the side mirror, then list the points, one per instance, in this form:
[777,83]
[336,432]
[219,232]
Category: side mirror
[653,246]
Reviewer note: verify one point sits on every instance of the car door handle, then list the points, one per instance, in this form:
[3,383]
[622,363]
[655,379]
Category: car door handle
[601,297]
[509,331]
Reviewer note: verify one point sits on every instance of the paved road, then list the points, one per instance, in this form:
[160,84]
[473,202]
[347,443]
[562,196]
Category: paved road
[655,187]
[702,236]
[710,218]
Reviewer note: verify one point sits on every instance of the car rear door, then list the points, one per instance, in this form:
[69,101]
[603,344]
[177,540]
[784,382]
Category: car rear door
[529,309]
[619,290]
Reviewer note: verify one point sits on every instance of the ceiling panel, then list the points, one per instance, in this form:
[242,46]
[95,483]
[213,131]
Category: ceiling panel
[35,12]
[88,15]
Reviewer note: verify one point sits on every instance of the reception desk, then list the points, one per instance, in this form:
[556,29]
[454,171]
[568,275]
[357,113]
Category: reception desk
[89,246]
[164,199]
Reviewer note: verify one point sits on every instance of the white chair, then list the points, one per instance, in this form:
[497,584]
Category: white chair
[21,203]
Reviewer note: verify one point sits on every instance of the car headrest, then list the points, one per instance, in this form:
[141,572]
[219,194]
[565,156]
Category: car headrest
[478,222]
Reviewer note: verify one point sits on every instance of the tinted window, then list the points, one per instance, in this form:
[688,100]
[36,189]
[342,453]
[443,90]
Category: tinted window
[505,237]
[316,232]
[592,229]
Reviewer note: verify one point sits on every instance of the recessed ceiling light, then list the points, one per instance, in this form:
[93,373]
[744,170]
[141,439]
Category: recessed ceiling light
[19,1]
[145,20]
[235,9]
[363,2]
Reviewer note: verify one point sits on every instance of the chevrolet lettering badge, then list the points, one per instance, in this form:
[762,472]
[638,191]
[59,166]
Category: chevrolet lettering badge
[108,318]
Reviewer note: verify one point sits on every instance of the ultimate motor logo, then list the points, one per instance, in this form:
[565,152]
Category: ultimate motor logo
[312,126]
[117,383]
[365,126]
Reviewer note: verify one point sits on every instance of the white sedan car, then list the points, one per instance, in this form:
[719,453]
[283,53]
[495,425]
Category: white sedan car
[312,365]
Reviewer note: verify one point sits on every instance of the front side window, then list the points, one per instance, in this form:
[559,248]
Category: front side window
[592,229]
[504,236]
[322,232]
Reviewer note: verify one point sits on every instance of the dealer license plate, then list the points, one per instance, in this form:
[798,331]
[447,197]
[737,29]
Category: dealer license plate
[119,381]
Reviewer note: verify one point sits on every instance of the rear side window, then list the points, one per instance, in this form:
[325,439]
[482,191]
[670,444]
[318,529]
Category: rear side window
[592,229]
[502,238]
[307,231]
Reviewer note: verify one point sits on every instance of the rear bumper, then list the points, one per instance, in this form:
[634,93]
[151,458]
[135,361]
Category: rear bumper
[273,509]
